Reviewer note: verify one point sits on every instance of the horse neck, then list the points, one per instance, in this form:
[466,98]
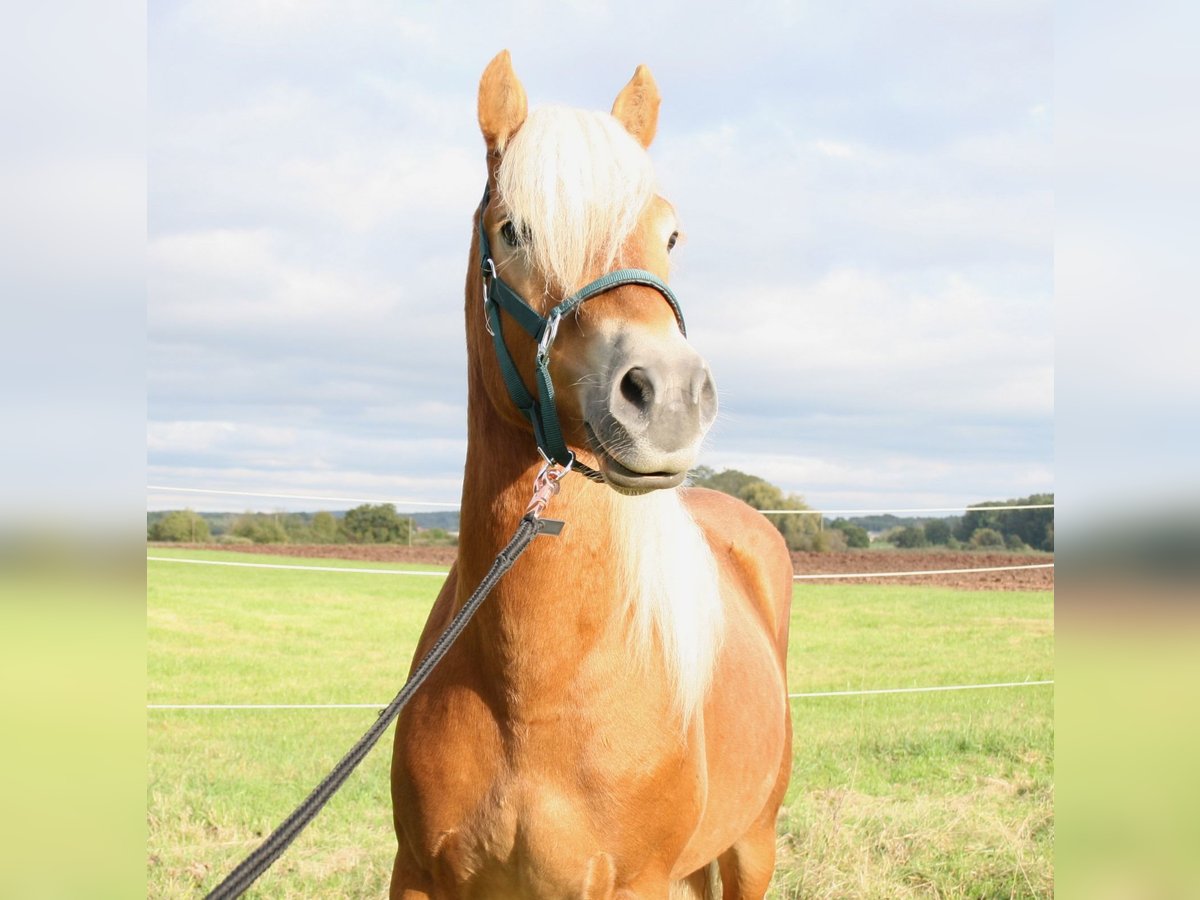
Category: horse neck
[556,595]
[502,462]
[629,580]
[632,577]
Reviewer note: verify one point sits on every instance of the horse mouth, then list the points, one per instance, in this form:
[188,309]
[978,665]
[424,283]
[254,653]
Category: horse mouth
[624,479]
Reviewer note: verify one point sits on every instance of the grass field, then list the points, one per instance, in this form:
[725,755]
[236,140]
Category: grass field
[904,795]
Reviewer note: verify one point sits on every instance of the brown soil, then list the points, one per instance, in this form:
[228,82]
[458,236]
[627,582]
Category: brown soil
[853,561]
[850,561]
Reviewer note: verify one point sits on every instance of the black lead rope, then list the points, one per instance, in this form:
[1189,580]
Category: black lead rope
[261,859]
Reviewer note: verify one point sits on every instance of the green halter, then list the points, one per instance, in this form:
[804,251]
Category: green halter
[542,413]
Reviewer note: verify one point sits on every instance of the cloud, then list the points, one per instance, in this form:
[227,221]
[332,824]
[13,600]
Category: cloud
[865,194]
[860,341]
[891,481]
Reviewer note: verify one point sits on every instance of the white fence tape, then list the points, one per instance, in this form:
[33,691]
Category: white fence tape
[863,693]
[921,690]
[248,565]
[921,572]
[359,571]
[907,512]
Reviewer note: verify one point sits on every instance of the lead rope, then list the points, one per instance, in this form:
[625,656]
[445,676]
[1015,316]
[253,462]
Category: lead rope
[545,486]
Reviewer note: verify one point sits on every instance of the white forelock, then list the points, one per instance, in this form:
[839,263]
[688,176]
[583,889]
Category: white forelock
[575,181]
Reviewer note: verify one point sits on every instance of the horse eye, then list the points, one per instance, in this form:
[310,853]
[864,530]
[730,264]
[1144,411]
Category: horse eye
[671,241]
[508,231]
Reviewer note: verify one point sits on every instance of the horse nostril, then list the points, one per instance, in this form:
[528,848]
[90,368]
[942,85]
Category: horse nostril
[704,393]
[637,389]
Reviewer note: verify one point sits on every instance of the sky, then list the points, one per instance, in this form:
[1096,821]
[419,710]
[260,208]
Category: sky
[866,192]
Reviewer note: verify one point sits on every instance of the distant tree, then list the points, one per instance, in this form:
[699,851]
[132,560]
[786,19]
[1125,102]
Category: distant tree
[909,537]
[375,524]
[179,525]
[833,541]
[298,528]
[856,536]
[987,538]
[1013,542]
[1034,527]
[324,528]
[729,481]
[937,531]
[800,532]
[262,528]
[431,537]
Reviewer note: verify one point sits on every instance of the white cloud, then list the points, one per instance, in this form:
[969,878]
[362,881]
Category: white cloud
[271,23]
[227,277]
[863,339]
[362,190]
[866,196]
[192,436]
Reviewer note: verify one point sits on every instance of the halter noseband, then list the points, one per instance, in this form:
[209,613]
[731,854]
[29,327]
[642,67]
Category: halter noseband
[542,412]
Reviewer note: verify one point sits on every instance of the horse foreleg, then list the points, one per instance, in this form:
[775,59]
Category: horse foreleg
[409,882]
[747,866]
[700,885]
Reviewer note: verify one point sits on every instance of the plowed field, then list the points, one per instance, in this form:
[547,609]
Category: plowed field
[844,563]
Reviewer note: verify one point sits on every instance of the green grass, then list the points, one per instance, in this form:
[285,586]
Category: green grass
[919,795]
[911,795]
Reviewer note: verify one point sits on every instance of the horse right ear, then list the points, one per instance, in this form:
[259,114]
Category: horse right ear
[502,103]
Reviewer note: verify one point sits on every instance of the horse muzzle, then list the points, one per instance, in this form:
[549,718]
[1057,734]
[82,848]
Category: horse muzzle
[646,420]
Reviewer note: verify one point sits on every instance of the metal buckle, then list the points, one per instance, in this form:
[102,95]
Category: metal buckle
[489,271]
[548,335]
[545,484]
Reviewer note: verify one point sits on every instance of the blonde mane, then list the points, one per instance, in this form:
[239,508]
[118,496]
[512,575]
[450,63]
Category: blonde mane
[575,182]
[672,602]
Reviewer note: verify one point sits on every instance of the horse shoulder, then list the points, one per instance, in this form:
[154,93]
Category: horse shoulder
[440,615]
[751,550]
[435,791]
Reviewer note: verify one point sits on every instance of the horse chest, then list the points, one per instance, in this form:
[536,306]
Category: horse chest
[546,816]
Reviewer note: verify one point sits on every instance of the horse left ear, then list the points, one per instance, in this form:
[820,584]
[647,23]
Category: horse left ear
[502,103]
[636,107]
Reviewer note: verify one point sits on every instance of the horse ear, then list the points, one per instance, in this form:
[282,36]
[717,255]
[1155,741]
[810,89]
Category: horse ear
[636,107]
[502,103]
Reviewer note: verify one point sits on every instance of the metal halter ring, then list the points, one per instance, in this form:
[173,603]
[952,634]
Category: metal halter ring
[489,268]
[545,484]
[548,335]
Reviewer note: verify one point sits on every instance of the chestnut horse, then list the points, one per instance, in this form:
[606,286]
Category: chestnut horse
[614,721]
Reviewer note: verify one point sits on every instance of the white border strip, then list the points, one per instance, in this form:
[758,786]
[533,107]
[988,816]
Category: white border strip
[921,690]
[186,490]
[273,706]
[922,572]
[247,565]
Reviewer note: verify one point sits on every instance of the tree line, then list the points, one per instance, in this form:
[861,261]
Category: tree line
[800,532]
[985,526]
[981,527]
[365,524]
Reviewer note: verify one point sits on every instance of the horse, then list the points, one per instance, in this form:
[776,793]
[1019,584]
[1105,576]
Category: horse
[614,722]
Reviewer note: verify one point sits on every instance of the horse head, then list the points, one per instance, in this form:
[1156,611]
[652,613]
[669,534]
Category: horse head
[571,199]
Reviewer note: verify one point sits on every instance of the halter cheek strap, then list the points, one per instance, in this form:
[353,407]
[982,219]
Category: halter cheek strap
[497,295]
